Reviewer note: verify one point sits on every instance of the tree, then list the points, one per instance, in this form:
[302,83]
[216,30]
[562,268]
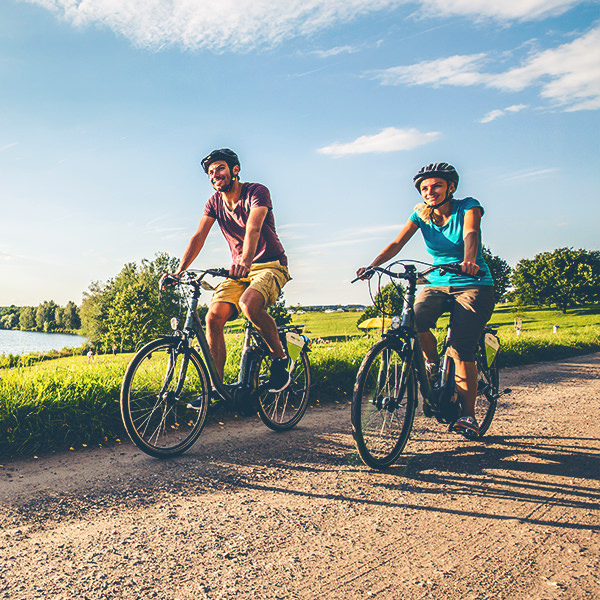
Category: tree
[500,271]
[279,312]
[126,311]
[9,317]
[71,320]
[44,316]
[388,302]
[27,318]
[9,321]
[563,278]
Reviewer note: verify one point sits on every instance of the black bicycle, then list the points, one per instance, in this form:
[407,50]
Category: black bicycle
[385,392]
[174,370]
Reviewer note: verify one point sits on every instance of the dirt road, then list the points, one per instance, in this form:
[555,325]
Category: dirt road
[248,513]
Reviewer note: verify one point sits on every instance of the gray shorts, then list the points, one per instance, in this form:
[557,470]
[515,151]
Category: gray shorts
[472,309]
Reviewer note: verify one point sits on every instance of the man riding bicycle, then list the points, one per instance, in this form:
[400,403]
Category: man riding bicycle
[452,234]
[259,264]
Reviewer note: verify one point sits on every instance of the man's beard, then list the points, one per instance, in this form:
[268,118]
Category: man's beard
[226,188]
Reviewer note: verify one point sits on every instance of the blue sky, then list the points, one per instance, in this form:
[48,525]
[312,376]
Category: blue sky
[107,107]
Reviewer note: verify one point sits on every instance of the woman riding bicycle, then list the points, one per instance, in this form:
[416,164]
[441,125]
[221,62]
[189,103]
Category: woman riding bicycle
[452,234]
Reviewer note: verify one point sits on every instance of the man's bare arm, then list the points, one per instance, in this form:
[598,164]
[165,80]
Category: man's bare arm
[195,244]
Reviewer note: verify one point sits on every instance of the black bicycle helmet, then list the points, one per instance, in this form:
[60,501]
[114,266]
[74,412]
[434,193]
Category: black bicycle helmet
[229,156]
[440,169]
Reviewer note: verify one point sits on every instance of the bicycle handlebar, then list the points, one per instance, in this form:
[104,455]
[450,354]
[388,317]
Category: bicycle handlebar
[411,273]
[190,277]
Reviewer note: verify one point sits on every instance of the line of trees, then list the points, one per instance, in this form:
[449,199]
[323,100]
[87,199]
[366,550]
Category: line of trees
[126,311]
[47,317]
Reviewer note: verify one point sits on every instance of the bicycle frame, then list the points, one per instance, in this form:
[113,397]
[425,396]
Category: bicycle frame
[248,368]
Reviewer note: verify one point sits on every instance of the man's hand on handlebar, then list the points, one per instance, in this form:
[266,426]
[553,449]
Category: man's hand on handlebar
[168,280]
[238,271]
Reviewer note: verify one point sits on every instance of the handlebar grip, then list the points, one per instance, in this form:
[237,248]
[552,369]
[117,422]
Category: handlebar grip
[367,274]
[218,272]
[456,269]
[167,280]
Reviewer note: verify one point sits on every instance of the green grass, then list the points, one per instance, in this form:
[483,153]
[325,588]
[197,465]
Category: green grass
[68,403]
[328,325]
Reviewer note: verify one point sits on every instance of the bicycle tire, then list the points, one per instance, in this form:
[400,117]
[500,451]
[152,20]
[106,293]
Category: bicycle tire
[155,393]
[382,421]
[488,383]
[280,411]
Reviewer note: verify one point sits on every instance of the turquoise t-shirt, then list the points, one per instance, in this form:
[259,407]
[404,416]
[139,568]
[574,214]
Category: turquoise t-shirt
[446,245]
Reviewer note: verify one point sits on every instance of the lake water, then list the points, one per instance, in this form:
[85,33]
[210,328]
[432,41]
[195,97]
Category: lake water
[24,342]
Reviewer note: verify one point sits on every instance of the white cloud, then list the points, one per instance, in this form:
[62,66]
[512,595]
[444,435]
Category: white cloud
[509,10]
[492,116]
[528,174]
[454,70]
[335,51]
[389,139]
[227,25]
[497,113]
[8,146]
[241,25]
[569,75]
[516,108]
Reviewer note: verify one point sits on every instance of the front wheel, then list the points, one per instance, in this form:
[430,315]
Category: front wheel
[159,382]
[283,410]
[384,403]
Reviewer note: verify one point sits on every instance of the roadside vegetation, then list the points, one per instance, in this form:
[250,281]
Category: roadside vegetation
[65,400]
[72,402]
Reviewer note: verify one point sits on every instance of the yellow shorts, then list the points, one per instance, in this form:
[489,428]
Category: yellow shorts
[266,278]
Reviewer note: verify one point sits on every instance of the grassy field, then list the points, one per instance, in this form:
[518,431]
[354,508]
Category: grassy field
[68,403]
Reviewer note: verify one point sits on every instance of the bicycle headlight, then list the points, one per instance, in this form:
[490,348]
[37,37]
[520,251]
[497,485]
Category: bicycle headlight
[174,323]
[395,322]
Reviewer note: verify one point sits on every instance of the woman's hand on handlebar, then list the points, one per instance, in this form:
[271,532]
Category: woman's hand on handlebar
[364,273]
[469,268]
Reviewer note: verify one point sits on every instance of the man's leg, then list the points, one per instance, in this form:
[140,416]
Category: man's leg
[429,346]
[252,304]
[218,314]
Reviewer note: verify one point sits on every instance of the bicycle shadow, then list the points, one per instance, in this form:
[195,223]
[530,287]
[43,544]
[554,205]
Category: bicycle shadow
[536,474]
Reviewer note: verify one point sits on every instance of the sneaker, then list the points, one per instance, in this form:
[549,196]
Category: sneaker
[280,376]
[430,404]
[198,403]
[466,426]
[433,370]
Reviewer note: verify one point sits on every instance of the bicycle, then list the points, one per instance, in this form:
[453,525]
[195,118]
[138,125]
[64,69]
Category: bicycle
[385,395]
[170,372]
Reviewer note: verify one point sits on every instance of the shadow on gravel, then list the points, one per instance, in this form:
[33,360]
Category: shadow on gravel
[531,473]
[567,370]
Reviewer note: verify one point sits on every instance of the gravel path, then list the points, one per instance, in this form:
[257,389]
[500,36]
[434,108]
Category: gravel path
[248,513]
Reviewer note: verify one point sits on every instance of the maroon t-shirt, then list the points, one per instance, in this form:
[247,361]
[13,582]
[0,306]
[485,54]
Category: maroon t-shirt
[233,223]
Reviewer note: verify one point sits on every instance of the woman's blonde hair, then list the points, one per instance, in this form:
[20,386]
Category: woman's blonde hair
[425,212]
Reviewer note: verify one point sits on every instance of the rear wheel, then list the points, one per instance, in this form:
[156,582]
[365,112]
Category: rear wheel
[283,410]
[384,403]
[159,382]
[487,391]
